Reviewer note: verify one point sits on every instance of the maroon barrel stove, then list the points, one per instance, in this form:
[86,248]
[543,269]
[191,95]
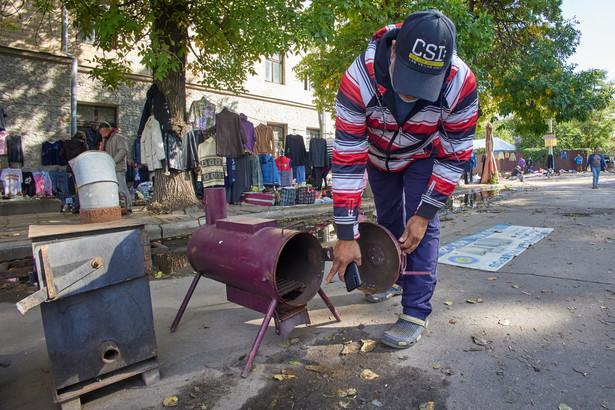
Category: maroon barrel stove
[277,271]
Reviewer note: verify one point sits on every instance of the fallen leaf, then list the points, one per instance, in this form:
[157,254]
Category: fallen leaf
[294,362]
[368,345]
[475,300]
[436,366]
[452,321]
[448,303]
[448,371]
[158,275]
[480,341]
[504,322]
[427,406]
[492,278]
[283,376]
[367,374]
[172,401]
[351,348]
[346,392]
[516,286]
[564,406]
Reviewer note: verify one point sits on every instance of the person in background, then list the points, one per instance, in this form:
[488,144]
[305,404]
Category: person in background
[528,165]
[468,176]
[115,145]
[406,111]
[517,173]
[579,161]
[70,150]
[521,164]
[597,163]
[73,147]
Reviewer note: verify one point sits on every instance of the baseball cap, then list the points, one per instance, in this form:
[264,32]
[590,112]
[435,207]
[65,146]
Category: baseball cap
[104,124]
[423,53]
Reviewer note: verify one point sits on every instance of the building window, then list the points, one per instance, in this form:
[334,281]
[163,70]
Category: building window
[313,133]
[274,69]
[307,84]
[91,115]
[279,134]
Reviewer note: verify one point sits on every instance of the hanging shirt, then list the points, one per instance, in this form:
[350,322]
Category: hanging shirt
[11,179]
[248,128]
[202,114]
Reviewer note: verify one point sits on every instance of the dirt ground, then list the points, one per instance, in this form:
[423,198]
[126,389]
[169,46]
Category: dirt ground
[327,379]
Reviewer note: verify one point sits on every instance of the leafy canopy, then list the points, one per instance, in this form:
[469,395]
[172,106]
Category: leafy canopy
[516,48]
[223,39]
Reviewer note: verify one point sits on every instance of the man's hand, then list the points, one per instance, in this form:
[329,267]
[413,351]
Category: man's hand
[344,253]
[413,234]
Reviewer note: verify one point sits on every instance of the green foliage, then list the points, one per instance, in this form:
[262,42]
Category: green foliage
[517,50]
[224,39]
[341,31]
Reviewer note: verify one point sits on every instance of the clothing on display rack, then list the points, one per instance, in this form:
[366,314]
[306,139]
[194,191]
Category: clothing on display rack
[2,117]
[14,149]
[265,141]
[202,114]
[269,170]
[156,105]
[248,129]
[212,167]
[12,179]
[285,170]
[230,136]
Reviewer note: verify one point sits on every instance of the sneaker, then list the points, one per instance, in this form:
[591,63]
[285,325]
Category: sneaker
[406,332]
[381,297]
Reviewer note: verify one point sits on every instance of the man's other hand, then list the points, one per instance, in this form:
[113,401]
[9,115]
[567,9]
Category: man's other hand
[413,234]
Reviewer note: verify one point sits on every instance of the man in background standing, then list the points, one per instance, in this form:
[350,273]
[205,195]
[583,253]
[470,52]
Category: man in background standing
[115,145]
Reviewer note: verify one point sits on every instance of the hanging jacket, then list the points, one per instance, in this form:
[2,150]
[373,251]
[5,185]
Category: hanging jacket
[367,129]
[269,170]
[156,105]
[152,151]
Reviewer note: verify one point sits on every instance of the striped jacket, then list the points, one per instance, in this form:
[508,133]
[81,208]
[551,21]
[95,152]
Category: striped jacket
[367,130]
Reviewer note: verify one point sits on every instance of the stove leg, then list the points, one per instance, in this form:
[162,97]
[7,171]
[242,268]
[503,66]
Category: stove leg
[180,313]
[329,304]
[259,337]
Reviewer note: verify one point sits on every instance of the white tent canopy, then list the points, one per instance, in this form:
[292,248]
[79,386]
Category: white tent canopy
[499,145]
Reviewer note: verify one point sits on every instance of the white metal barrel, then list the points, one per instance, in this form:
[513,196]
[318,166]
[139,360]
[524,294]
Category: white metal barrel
[97,186]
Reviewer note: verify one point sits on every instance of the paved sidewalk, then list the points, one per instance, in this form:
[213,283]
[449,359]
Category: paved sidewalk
[543,333]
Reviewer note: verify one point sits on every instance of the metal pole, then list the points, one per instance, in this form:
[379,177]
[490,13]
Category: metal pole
[74,74]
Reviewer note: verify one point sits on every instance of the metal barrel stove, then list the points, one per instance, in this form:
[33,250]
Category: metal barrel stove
[277,271]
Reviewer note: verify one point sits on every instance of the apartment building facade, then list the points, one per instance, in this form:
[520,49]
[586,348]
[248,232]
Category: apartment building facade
[40,56]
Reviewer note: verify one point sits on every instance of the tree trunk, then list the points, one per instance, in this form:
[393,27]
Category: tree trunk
[174,191]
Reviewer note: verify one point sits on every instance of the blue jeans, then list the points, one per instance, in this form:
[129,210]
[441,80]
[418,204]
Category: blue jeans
[396,196]
[596,172]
